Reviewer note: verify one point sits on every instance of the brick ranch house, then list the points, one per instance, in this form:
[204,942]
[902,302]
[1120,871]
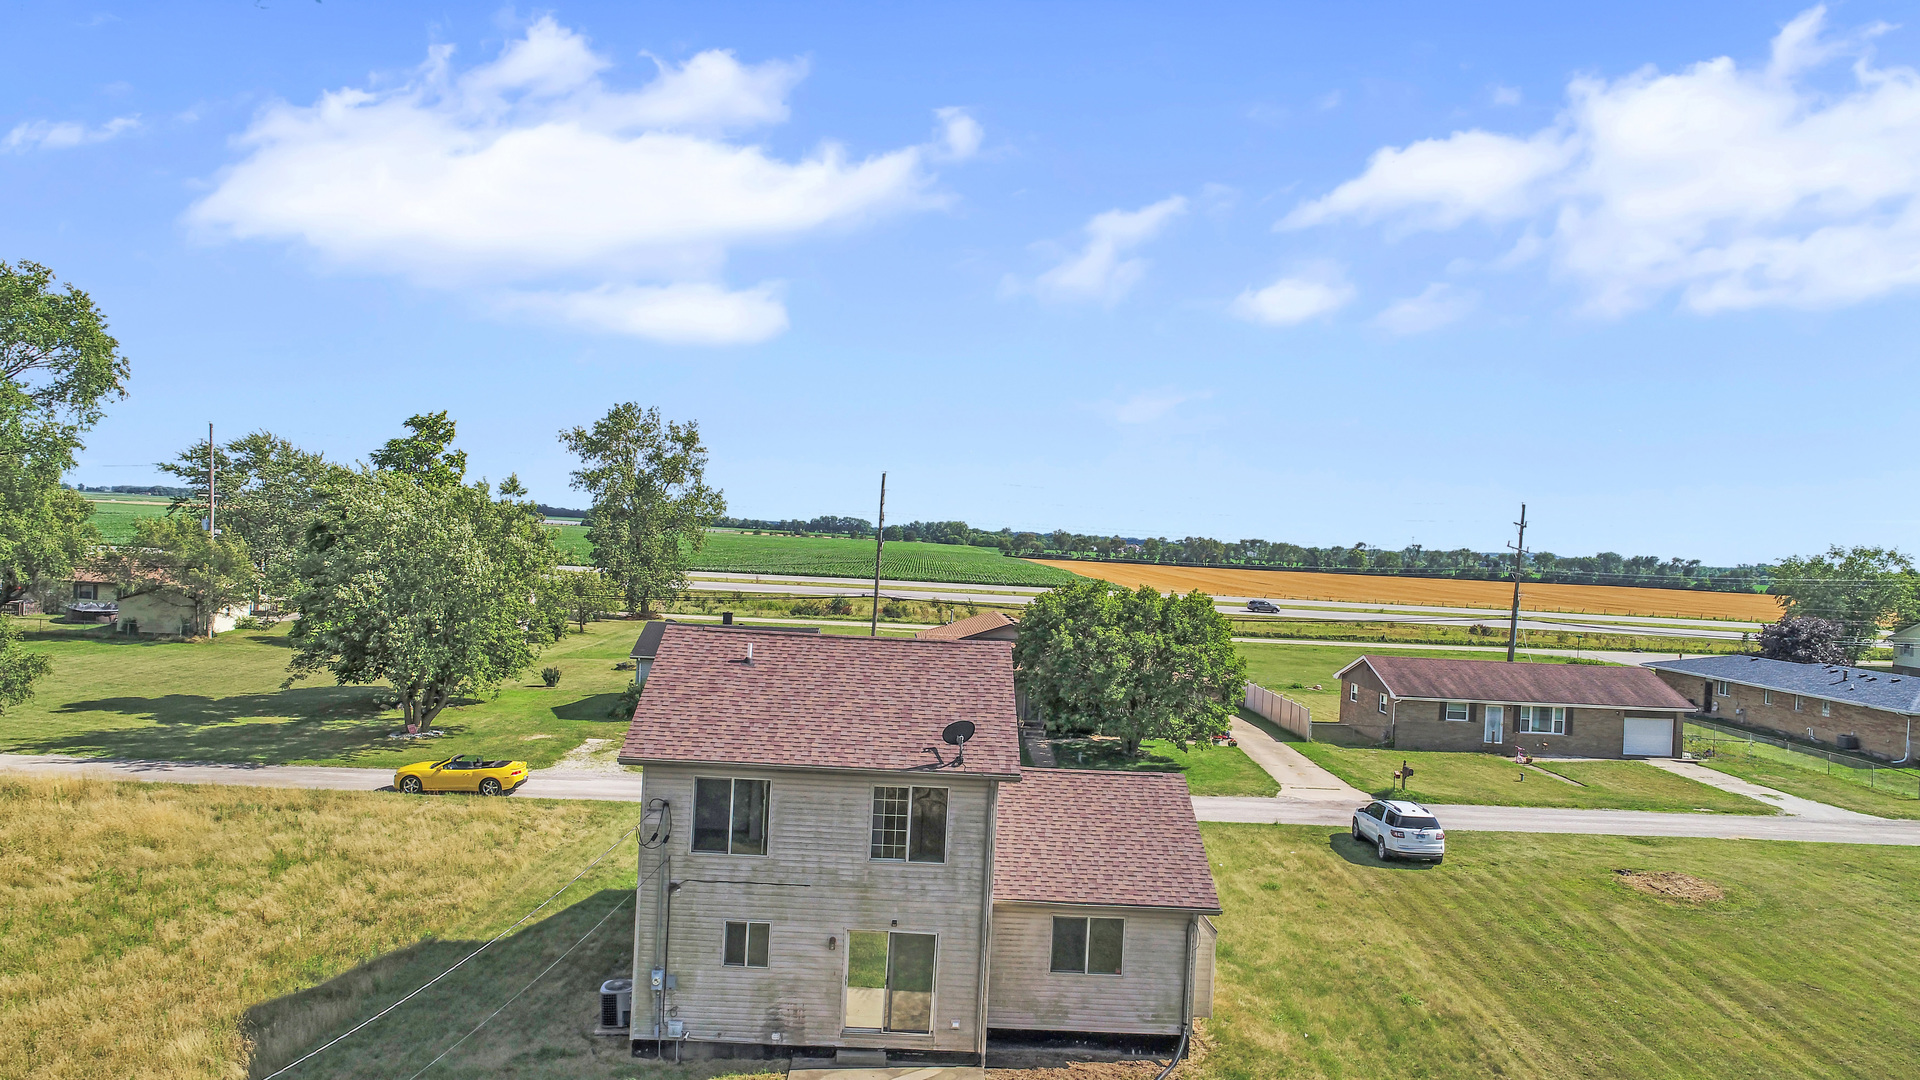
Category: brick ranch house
[1821,702]
[1572,710]
[826,875]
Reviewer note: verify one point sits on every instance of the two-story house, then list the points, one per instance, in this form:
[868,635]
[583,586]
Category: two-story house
[824,871]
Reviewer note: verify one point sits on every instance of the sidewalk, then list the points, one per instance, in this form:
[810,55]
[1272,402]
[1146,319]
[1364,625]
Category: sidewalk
[1790,805]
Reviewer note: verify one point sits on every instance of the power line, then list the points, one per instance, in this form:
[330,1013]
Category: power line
[361,1026]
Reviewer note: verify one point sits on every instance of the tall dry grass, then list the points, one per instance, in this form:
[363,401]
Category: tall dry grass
[139,923]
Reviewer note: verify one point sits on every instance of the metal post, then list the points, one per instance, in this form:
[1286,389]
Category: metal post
[1519,561]
[879,545]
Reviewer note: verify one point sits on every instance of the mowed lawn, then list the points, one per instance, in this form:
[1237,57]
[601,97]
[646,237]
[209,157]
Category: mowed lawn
[1490,780]
[1210,770]
[1811,777]
[223,700]
[1294,669]
[163,930]
[1524,956]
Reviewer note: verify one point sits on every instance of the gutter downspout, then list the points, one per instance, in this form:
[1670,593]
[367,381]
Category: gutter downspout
[986,921]
[1908,756]
[1186,1004]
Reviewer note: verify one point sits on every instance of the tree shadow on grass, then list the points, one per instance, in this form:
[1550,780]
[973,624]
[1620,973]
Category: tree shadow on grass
[1359,854]
[1111,754]
[545,1032]
[591,707]
[307,724]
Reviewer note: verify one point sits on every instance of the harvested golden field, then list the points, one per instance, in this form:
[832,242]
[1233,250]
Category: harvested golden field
[1360,589]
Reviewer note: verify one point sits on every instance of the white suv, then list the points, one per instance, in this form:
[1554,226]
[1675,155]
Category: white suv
[1396,827]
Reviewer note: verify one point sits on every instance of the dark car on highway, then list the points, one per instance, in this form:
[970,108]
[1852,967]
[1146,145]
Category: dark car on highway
[1265,606]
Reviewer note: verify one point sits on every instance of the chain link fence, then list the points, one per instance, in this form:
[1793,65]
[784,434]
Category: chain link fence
[1708,740]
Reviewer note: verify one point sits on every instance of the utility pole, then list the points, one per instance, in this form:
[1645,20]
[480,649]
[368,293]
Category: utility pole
[879,545]
[1519,562]
[211,531]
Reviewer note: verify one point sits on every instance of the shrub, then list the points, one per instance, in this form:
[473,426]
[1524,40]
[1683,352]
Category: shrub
[629,700]
[550,675]
[248,622]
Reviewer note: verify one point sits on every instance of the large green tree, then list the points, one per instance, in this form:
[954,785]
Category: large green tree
[1864,589]
[1093,656]
[651,502]
[176,555]
[58,366]
[269,492]
[411,576]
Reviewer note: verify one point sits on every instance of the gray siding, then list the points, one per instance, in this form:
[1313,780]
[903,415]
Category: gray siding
[815,883]
[1203,969]
[1144,999]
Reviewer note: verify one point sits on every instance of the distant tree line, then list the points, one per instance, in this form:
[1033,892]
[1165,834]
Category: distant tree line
[828,525]
[137,489]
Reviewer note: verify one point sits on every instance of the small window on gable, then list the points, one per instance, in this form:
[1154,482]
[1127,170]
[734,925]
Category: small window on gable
[746,944]
[1353,691]
[1383,704]
[1766,697]
[1456,710]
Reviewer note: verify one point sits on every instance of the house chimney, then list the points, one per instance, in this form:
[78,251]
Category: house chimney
[726,618]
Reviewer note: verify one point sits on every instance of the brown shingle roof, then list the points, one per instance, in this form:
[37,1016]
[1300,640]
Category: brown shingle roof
[823,701]
[1071,836]
[985,622]
[1520,683]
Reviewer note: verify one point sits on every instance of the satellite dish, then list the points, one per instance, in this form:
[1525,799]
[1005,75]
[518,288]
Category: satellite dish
[957,733]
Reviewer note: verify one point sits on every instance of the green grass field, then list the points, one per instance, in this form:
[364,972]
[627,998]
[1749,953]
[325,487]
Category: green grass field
[838,556]
[1524,956]
[1210,770]
[1294,669]
[233,929]
[222,701]
[1882,793]
[1489,780]
[114,515]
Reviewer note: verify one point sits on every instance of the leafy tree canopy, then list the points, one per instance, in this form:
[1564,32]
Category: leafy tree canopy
[44,531]
[425,583]
[269,491]
[651,502]
[1804,639]
[176,554]
[54,346]
[1864,589]
[19,668]
[424,454]
[1093,656]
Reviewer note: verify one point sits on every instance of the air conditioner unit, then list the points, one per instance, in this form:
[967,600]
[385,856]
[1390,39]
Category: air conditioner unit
[616,1004]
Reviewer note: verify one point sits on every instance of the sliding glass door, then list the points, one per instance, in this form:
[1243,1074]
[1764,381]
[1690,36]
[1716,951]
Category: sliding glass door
[890,981]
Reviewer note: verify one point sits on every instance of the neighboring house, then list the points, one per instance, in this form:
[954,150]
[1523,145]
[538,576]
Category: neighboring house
[648,644]
[93,597]
[154,607]
[986,626]
[1828,703]
[1574,710]
[1906,650]
[835,876]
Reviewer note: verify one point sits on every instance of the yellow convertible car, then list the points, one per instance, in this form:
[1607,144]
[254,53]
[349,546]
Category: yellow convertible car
[464,773]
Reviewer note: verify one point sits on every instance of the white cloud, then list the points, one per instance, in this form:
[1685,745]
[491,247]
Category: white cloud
[528,176]
[1436,306]
[1293,300]
[48,135]
[1148,406]
[1734,188]
[1100,271]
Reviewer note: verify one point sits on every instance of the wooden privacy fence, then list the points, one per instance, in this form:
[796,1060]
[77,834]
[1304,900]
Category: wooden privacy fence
[1288,713]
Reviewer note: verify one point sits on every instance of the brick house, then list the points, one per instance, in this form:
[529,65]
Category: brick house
[824,874]
[1571,710]
[1821,702]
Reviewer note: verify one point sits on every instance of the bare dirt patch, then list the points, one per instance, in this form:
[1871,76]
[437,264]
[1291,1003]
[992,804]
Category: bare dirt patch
[1671,885]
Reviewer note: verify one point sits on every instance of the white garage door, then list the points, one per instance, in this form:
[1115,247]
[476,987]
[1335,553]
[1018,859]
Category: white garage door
[1648,738]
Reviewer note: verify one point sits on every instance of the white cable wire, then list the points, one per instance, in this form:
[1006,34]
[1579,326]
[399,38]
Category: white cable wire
[529,985]
[369,1020]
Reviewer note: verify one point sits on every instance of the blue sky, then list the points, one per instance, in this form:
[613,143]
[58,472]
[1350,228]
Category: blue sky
[1294,272]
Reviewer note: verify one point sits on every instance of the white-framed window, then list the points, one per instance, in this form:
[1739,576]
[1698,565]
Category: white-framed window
[1766,697]
[1826,708]
[1799,703]
[730,816]
[85,592]
[746,944]
[909,824]
[1456,710]
[1353,691]
[1543,719]
[1088,946]
[1723,688]
[1383,704]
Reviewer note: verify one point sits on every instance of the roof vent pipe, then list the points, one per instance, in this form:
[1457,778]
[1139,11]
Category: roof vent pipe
[749,652]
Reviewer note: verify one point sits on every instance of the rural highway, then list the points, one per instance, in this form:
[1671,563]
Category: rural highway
[625,787]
